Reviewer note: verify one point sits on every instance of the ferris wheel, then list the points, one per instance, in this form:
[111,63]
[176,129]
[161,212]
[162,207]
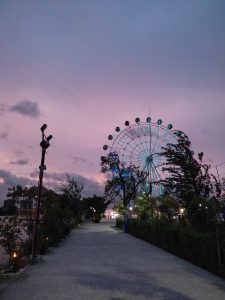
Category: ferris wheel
[140,144]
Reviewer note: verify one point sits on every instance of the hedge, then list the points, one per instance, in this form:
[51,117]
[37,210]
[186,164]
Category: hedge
[197,247]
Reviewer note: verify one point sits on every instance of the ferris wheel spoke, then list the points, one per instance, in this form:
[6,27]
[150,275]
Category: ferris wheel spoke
[156,171]
[134,149]
[147,134]
[128,144]
[130,156]
[156,140]
[138,137]
[170,140]
[151,138]
[132,139]
[167,139]
[145,139]
[144,143]
[139,144]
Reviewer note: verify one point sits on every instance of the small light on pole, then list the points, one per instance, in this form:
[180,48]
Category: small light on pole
[14,254]
[14,259]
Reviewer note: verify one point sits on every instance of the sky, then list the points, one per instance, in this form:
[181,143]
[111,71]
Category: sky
[84,67]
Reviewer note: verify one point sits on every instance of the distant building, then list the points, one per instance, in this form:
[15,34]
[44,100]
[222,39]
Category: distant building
[9,207]
[27,209]
[110,213]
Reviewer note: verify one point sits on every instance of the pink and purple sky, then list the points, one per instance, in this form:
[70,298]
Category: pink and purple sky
[85,66]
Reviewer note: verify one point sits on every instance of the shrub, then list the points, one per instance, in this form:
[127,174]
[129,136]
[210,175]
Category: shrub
[119,223]
[198,247]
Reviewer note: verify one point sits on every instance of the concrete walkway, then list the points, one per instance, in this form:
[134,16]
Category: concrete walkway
[99,262]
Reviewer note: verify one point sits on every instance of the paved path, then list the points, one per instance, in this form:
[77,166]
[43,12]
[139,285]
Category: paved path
[99,262]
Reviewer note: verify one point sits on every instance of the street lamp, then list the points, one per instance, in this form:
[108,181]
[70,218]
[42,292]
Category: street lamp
[44,145]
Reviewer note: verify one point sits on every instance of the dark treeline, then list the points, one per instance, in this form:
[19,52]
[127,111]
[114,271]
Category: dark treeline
[60,213]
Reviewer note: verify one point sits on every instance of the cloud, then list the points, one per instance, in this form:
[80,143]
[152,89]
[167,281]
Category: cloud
[19,152]
[27,108]
[206,131]
[4,135]
[2,108]
[20,162]
[7,179]
[77,159]
[56,181]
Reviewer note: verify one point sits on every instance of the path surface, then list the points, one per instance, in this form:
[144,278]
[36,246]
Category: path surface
[99,262]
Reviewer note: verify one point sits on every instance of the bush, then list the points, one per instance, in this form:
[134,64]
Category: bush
[119,223]
[197,247]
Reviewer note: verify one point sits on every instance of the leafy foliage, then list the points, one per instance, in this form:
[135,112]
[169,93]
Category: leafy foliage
[95,207]
[188,177]
[146,206]
[71,201]
[125,180]
[11,233]
[199,247]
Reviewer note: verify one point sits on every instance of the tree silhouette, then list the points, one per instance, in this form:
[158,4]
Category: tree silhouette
[125,180]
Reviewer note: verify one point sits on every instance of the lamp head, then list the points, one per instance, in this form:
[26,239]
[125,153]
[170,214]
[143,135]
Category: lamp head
[49,137]
[43,127]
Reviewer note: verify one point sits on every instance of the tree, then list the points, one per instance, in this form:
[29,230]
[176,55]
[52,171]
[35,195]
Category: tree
[125,179]
[14,197]
[11,233]
[146,206]
[72,200]
[95,207]
[52,223]
[188,177]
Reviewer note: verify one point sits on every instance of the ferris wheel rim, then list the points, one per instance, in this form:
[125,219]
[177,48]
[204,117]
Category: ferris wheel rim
[140,144]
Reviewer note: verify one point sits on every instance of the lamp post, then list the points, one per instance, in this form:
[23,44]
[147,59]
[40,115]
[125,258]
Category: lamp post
[44,145]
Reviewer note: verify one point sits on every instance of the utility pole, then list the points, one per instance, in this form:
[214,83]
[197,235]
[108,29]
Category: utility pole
[44,145]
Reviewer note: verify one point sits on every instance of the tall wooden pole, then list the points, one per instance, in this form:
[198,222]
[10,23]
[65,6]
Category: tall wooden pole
[44,145]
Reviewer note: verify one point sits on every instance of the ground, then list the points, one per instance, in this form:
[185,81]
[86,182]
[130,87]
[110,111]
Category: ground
[98,261]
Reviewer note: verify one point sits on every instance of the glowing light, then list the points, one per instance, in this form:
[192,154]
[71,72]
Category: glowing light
[14,254]
[181,210]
